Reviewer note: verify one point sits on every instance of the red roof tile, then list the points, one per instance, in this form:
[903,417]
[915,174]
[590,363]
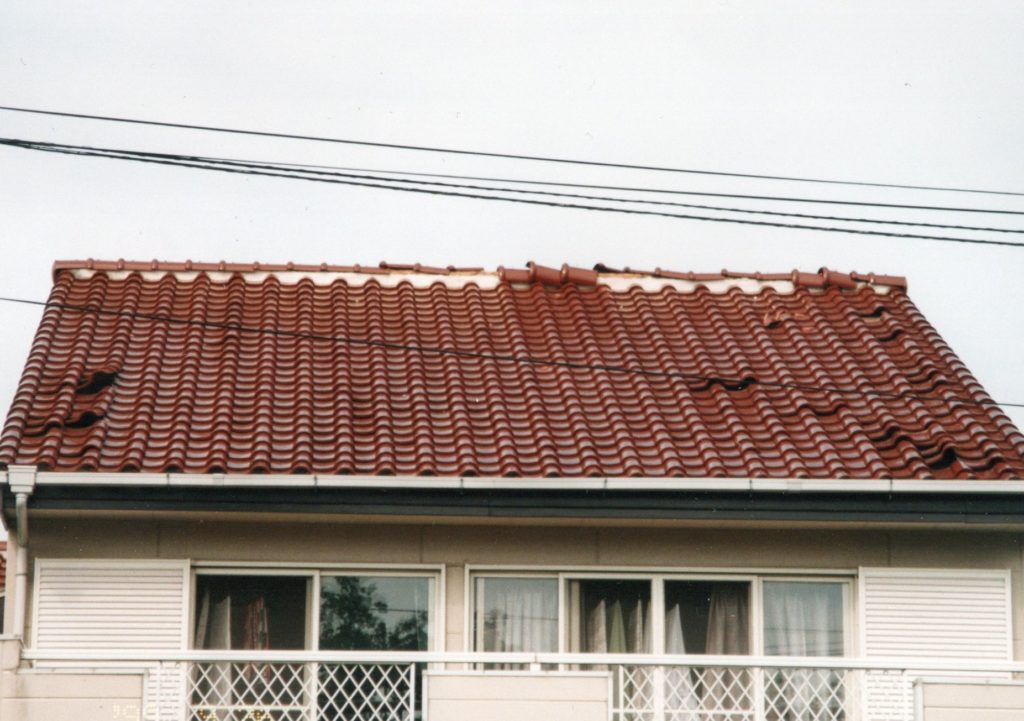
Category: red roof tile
[124,391]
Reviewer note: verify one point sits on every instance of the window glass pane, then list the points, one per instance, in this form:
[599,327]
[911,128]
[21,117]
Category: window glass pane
[375,613]
[610,616]
[516,615]
[707,617]
[803,619]
[250,612]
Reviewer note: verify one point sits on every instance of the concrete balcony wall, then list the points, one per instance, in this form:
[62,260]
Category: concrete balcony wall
[59,695]
[454,696]
[991,701]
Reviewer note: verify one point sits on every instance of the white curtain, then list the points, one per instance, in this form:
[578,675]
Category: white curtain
[213,631]
[728,634]
[521,616]
[680,695]
[616,623]
[804,619]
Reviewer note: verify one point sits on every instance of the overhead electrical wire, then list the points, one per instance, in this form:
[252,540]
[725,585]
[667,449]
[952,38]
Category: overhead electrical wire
[366,174]
[672,191]
[490,154]
[503,358]
[187,162]
[375,175]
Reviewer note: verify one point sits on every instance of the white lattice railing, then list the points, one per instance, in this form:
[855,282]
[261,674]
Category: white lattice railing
[223,691]
[388,686]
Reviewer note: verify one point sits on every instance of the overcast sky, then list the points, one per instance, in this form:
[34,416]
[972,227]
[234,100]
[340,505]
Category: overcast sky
[926,92]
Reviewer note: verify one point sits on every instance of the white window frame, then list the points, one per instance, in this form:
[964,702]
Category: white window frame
[314,572]
[657,576]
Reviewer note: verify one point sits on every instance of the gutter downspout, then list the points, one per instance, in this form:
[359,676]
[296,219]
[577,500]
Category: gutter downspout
[22,480]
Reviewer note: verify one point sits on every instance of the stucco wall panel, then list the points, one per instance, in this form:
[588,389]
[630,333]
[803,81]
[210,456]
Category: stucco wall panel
[513,697]
[974,701]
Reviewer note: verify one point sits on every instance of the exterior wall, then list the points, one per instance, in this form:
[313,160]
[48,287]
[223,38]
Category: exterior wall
[59,696]
[456,545]
[513,697]
[977,702]
[8,599]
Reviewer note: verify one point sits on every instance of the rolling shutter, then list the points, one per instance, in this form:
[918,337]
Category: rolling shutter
[105,607]
[929,615]
[935,614]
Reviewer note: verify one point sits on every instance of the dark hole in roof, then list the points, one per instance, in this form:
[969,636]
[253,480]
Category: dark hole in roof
[730,384]
[947,459]
[86,420]
[96,382]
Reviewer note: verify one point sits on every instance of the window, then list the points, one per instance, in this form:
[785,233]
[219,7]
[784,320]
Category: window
[516,615]
[707,617]
[610,616]
[241,610]
[251,612]
[666,613]
[375,613]
[803,618]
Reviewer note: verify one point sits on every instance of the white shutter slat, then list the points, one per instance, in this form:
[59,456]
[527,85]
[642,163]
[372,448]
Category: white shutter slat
[118,605]
[929,614]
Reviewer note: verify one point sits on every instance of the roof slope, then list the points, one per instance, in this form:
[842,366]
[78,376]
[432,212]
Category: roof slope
[247,378]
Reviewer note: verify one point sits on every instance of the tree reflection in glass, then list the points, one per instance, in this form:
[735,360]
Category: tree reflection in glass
[375,613]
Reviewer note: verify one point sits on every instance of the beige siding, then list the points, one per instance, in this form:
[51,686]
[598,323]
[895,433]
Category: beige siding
[62,696]
[570,546]
[974,701]
[513,697]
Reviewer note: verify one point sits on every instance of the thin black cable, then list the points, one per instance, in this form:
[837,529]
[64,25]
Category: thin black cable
[369,172]
[364,175]
[185,163]
[668,191]
[499,357]
[486,154]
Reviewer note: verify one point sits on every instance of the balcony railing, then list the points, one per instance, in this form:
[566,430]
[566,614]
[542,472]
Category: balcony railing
[388,686]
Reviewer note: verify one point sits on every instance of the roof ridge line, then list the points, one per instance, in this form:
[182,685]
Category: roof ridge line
[532,273]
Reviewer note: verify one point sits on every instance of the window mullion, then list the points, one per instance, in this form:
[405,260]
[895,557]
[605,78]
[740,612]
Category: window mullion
[657,615]
[314,612]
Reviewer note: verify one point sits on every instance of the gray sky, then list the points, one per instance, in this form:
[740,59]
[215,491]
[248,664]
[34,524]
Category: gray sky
[911,92]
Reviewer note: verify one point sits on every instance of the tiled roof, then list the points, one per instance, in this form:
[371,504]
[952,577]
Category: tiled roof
[124,390]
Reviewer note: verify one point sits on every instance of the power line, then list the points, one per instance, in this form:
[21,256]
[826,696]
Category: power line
[361,174]
[669,191]
[488,154]
[640,189]
[741,383]
[365,175]
[187,162]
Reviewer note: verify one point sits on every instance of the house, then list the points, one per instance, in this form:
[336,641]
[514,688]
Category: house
[252,492]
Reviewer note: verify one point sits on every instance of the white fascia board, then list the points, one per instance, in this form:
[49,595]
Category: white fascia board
[678,484]
[526,484]
[821,485]
[934,486]
[270,480]
[387,482]
[751,485]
